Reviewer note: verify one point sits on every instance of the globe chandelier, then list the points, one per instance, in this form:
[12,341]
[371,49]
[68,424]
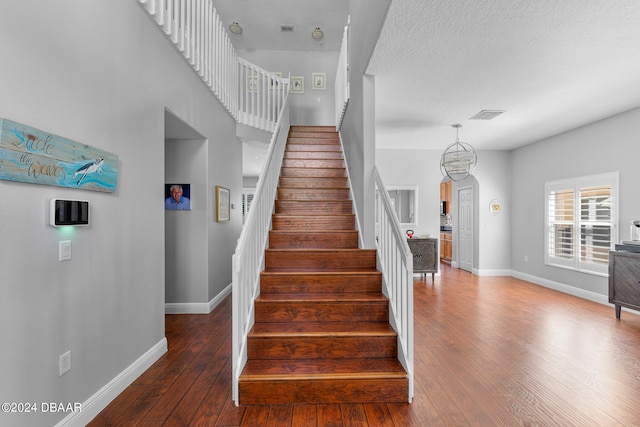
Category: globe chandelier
[459,159]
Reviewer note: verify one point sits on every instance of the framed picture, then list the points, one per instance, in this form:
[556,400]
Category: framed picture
[275,85]
[297,84]
[495,207]
[253,84]
[319,81]
[223,206]
[177,197]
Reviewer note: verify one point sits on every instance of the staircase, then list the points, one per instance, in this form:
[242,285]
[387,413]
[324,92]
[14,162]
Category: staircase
[321,332]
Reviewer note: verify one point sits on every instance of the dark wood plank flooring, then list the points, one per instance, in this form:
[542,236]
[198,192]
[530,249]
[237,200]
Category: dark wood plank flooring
[490,351]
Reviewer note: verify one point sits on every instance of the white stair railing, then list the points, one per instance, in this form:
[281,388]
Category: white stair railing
[253,96]
[396,263]
[261,96]
[342,78]
[248,259]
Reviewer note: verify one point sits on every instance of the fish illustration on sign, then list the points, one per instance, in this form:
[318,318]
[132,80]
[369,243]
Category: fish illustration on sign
[95,166]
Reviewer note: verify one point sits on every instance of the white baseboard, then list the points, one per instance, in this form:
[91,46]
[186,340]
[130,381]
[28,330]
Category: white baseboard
[561,287]
[493,272]
[196,307]
[96,403]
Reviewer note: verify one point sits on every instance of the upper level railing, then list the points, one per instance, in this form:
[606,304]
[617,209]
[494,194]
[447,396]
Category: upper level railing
[342,78]
[253,96]
[261,96]
[396,263]
[248,259]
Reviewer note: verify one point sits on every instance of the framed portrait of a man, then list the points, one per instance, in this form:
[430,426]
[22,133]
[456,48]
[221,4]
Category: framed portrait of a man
[177,197]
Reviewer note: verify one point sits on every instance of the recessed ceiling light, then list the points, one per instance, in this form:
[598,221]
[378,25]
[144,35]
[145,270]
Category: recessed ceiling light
[487,115]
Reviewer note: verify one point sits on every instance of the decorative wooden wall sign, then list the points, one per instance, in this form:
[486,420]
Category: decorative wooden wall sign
[36,157]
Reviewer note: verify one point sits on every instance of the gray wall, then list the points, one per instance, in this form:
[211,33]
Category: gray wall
[100,74]
[185,244]
[605,146]
[493,249]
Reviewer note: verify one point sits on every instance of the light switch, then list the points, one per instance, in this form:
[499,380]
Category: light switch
[64,250]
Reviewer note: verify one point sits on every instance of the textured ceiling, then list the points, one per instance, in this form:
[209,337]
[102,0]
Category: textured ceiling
[552,65]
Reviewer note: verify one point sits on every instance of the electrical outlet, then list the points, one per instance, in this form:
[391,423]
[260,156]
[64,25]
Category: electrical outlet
[526,258]
[64,363]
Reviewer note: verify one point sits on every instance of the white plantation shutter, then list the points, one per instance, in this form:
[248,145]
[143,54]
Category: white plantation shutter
[247,198]
[581,218]
[595,225]
[560,232]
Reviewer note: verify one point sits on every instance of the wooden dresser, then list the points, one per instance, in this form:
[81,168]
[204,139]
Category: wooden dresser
[624,280]
[425,255]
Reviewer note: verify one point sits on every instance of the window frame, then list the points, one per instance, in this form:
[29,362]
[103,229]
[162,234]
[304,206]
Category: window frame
[577,222]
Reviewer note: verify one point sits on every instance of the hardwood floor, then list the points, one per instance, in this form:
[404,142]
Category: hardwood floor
[489,351]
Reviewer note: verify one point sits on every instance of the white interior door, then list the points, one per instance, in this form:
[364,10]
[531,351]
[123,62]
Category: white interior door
[465,228]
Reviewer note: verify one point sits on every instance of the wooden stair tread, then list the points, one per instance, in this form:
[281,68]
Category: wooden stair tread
[322,369]
[323,298]
[314,128]
[362,281]
[314,163]
[319,232]
[315,155]
[290,273]
[313,140]
[298,172]
[333,259]
[313,147]
[313,194]
[331,187]
[320,251]
[333,329]
[295,202]
[308,215]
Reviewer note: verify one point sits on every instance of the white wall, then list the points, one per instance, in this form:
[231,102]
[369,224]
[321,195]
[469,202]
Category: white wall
[100,73]
[605,146]
[313,107]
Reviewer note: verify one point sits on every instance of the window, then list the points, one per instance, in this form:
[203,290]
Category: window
[581,217]
[247,198]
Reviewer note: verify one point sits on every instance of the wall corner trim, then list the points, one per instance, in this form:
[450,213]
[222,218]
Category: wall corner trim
[96,403]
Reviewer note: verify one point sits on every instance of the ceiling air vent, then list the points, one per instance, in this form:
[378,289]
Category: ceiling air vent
[487,114]
[286,28]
